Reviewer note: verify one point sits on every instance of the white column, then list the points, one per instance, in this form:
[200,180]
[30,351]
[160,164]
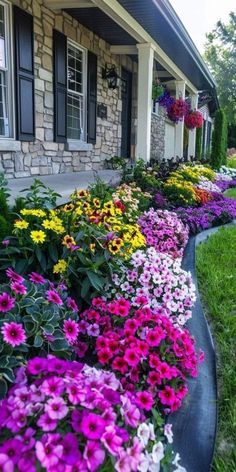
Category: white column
[192,133]
[179,127]
[145,77]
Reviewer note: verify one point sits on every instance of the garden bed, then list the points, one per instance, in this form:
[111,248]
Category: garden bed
[138,348]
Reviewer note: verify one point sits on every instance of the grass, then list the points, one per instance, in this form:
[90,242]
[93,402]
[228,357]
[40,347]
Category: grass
[231,192]
[216,266]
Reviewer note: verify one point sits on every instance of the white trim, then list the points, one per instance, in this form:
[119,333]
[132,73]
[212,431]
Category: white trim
[78,145]
[124,50]
[145,81]
[118,13]
[84,84]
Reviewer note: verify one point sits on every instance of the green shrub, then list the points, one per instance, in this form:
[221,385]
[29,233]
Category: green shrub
[231,162]
[219,140]
[198,149]
[4,228]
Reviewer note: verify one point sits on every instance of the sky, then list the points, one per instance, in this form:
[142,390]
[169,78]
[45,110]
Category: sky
[200,16]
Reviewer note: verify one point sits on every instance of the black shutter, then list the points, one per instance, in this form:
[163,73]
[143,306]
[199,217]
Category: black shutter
[24,63]
[60,86]
[92,98]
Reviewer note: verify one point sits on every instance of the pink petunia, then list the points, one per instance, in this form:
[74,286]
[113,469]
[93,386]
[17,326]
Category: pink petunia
[13,333]
[56,408]
[12,449]
[111,440]
[94,455]
[48,453]
[6,302]
[167,395]
[131,357]
[93,426]
[144,400]
[71,330]
[6,464]
[52,296]
[53,386]
[36,278]
[18,288]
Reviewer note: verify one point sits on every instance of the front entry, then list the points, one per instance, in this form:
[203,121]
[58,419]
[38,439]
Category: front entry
[126,97]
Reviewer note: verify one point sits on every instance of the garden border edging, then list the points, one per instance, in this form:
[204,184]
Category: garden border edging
[195,424]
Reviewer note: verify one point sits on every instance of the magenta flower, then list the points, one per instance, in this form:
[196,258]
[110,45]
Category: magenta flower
[13,333]
[6,465]
[6,242]
[36,278]
[94,455]
[12,449]
[56,408]
[72,304]
[27,462]
[93,426]
[112,442]
[53,386]
[14,276]
[6,302]
[71,329]
[71,453]
[46,423]
[48,453]
[37,365]
[144,400]
[18,288]
[27,439]
[52,296]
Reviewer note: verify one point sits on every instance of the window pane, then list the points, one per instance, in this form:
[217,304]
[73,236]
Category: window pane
[75,117]
[4,128]
[75,69]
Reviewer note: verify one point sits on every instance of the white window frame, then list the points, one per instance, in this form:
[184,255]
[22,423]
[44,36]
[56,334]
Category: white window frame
[155,108]
[9,71]
[77,143]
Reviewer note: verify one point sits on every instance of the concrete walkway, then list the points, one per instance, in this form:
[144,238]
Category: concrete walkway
[64,184]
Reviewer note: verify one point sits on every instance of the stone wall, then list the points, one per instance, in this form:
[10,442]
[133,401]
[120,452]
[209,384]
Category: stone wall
[43,156]
[158,135]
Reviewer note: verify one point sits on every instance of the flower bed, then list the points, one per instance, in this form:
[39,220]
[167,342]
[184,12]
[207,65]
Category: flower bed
[66,416]
[164,231]
[157,281]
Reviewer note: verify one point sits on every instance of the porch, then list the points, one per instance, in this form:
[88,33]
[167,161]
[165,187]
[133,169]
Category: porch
[65,117]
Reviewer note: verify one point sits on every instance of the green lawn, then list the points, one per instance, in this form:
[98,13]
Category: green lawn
[216,266]
[231,192]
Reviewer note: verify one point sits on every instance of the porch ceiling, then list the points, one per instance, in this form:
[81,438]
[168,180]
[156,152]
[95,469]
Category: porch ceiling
[97,21]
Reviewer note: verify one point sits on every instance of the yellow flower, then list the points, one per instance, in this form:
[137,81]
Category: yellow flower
[38,236]
[33,212]
[47,224]
[92,247]
[21,224]
[60,267]
[68,207]
[68,241]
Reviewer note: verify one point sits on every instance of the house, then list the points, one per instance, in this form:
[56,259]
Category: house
[76,83]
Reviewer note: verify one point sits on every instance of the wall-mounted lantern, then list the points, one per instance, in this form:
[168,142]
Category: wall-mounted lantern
[112,77]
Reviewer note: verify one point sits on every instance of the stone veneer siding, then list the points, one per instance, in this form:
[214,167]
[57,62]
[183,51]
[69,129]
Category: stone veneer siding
[158,135]
[43,156]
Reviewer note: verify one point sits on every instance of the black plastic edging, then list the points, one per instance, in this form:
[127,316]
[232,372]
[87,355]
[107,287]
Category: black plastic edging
[195,423]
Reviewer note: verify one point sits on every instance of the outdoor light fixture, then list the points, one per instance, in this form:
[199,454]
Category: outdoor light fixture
[110,74]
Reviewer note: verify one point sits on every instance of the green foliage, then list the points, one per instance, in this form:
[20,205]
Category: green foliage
[4,228]
[216,265]
[219,140]
[231,193]
[231,162]
[198,150]
[145,176]
[40,196]
[220,55]
[42,322]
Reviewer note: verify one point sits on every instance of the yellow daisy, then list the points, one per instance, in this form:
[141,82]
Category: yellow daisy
[38,237]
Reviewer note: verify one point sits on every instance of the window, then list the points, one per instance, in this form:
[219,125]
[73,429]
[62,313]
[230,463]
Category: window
[155,107]
[6,96]
[76,84]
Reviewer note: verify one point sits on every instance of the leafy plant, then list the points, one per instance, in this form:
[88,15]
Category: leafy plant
[219,140]
[40,196]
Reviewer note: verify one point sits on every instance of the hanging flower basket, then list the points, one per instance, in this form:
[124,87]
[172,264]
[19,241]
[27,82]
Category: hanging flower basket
[178,110]
[157,91]
[193,119]
[165,100]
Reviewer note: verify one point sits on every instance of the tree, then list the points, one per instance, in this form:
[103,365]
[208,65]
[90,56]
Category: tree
[220,55]
[219,140]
